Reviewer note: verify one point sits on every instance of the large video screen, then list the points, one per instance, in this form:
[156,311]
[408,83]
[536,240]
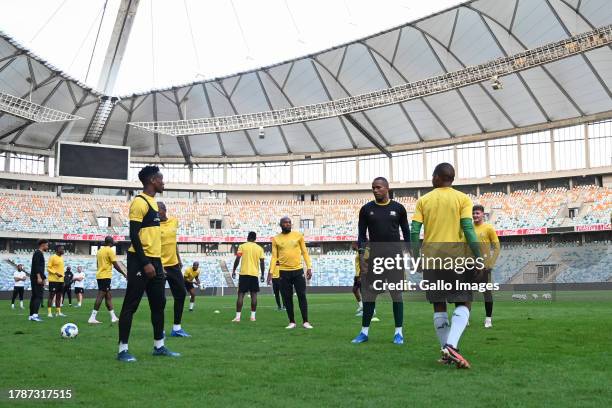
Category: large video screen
[93,161]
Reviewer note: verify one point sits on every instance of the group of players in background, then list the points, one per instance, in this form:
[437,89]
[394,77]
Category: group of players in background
[447,215]
[60,282]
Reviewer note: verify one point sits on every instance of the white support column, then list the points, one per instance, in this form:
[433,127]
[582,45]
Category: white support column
[291,172]
[356,170]
[190,167]
[553,161]
[324,171]
[225,173]
[519,154]
[425,175]
[391,177]
[587,147]
[487,160]
[7,161]
[456,162]
[258,173]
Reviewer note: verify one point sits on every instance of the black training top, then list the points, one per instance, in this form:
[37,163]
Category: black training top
[382,223]
[68,275]
[38,265]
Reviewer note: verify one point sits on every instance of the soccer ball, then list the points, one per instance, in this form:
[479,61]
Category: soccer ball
[69,331]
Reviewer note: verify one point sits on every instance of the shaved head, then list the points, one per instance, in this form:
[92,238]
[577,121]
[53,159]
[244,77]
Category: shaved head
[285,224]
[382,180]
[445,171]
[443,175]
[380,189]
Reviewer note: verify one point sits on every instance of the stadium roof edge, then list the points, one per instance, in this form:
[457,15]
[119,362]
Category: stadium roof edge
[479,137]
[31,54]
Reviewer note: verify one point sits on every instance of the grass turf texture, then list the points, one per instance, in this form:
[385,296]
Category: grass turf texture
[539,353]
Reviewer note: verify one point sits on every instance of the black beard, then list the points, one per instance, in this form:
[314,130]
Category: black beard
[286,230]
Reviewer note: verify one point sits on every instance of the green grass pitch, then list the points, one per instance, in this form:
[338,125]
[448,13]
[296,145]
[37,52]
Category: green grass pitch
[539,353]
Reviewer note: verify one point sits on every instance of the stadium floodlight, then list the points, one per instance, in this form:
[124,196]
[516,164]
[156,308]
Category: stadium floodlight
[496,84]
[499,67]
[31,111]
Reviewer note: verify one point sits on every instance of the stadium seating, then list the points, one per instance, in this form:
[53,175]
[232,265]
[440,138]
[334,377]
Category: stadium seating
[45,212]
[32,212]
[530,209]
[583,263]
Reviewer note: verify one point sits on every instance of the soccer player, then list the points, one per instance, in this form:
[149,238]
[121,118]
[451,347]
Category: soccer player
[68,276]
[145,270]
[192,273]
[79,285]
[106,260]
[250,256]
[381,220]
[357,280]
[171,261]
[274,280]
[446,215]
[55,268]
[488,237]
[37,279]
[19,277]
[288,248]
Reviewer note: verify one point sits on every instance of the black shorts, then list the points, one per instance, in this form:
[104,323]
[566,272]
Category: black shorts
[189,285]
[56,287]
[448,286]
[79,290]
[248,283]
[357,282]
[378,278]
[104,285]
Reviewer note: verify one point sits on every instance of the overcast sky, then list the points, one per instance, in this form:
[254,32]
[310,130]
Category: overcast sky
[179,41]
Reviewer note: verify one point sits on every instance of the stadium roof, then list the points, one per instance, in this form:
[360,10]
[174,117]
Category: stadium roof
[468,34]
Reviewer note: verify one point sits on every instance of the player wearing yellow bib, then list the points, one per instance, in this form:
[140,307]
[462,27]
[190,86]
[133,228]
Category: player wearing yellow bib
[250,256]
[145,270]
[274,280]
[106,260]
[192,274]
[488,238]
[288,248]
[446,215]
[55,268]
[171,261]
